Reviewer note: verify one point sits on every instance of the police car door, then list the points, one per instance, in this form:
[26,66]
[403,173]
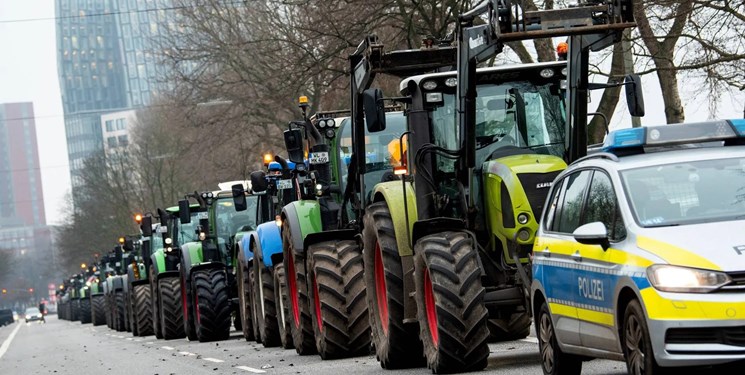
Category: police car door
[554,254]
[600,268]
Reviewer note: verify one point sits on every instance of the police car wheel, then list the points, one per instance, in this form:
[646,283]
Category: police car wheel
[553,360]
[637,346]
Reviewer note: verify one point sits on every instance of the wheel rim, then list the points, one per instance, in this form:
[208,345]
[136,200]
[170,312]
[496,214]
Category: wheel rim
[546,335]
[281,306]
[431,308]
[317,304]
[260,287]
[292,284]
[634,345]
[381,293]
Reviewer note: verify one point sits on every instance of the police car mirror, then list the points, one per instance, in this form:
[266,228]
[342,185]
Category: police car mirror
[593,233]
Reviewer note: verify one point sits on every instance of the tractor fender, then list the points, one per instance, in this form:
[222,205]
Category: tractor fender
[133,279]
[329,235]
[117,283]
[268,241]
[191,254]
[238,245]
[303,218]
[245,247]
[393,194]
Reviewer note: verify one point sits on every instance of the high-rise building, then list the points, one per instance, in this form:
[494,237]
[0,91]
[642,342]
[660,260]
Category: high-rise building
[105,64]
[22,200]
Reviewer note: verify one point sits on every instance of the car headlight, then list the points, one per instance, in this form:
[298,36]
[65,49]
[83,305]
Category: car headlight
[677,279]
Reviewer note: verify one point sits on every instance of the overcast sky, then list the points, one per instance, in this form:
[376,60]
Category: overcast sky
[28,72]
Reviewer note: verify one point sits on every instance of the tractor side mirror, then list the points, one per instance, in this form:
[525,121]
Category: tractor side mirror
[184,213]
[147,226]
[239,197]
[294,146]
[634,95]
[372,103]
[258,181]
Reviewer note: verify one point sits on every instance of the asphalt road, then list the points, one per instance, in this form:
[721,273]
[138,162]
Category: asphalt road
[61,347]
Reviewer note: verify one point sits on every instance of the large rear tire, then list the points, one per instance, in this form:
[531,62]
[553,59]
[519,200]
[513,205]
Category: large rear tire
[297,292]
[337,299]
[211,304]
[155,304]
[284,324]
[75,303]
[450,303]
[171,312]
[85,310]
[266,311]
[120,311]
[143,314]
[244,302]
[131,320]
[98,310]
[397,345]
[516,326]
[187,303]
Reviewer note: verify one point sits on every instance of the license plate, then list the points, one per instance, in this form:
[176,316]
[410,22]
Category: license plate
[319,158]
[284,184]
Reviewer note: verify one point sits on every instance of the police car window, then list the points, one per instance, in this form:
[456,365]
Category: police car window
[602,206]
[551,210]
[571,204]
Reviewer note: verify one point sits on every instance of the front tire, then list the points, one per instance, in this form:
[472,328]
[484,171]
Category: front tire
[143,315]
[187,303]
[120,312]
[397,345]
[450,303]
[516,326]
[266,311]
[155,303]
[244,302]
[98,310]
[85,310]
[297,292]
[211,305]
[283,313]
[171,312]
[553,360]
[637,346]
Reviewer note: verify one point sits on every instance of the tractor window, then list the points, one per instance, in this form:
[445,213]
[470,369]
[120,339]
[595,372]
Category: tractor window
[230,221]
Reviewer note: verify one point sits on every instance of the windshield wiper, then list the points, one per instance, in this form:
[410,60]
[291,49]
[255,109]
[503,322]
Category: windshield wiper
[662,225]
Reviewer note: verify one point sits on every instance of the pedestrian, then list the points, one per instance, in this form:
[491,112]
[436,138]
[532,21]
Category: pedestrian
[43,311]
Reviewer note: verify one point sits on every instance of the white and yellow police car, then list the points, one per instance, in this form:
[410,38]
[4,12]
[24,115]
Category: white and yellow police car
[640,255]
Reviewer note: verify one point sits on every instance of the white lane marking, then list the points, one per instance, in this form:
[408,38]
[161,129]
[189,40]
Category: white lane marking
[167,348]
[186,353]
[138,340]
[119,337]
[213,360]
[129,339]
[6,343]
[149,343]
[532,340]
[250,369]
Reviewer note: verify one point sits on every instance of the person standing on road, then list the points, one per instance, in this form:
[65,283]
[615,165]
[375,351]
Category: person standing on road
[43,311]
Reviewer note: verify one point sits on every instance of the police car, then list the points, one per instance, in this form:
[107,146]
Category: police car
[640,255]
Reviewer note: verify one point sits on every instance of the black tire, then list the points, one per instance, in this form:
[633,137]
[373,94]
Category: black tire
[637,346]
[397,345]
[211,304]
[283,314]
[187,296]
[252,304]
[266,311]
[131,322]
[109,304]
[337,299]
[155,305]
[142,308]
[450,303]
[120,311]
[244,302]
[98,310]
[553,360]
[85,310]
[171,312]
[515,327]
[297,292]
[75,303]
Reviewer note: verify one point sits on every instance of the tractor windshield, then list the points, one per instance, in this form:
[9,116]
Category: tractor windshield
[229,221]
[156,242]
[185,233]
[521,114]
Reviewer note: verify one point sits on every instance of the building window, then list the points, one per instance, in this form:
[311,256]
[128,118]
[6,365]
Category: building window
[120,124]
[123,140]
[109,125]
[111,142]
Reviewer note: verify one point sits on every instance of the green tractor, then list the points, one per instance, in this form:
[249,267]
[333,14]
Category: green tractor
[485,146]
[137,286]
[115,287]
[97,298]
[209,289]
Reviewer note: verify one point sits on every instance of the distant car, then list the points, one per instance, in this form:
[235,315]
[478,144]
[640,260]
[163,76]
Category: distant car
[6,317]
[32,314]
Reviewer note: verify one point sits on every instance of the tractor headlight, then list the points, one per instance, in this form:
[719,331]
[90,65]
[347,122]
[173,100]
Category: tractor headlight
[677,279]
[202,236]
[330,123]
[547,73]
[429,85]
[451,82]
[169,249]
[322,124]
[523,218]
[523,234]
[330,133]
[168,241]
[319,189]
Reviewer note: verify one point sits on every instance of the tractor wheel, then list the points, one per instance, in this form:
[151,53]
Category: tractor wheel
[109,311]
[266,317]
[171,312]
[252,305]
[85,310]
[121,311]
[142,307]
[155,304]
[397,345]
[516,327]
[187,304]
[131,318]
[337,299]
[98,310]
[211,304]
[450,303]
[283,314]
[75,310]
[297,292]
[244,303]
